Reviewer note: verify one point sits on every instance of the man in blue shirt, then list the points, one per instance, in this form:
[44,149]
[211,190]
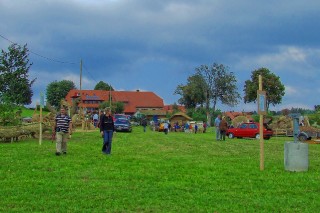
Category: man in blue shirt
[216,124]
[95,118]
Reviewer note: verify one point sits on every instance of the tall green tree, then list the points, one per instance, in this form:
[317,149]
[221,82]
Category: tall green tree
[58,90]
[103,86]
[116,107]
[220,85]
[271,83]
[15,86]
[175,108]
[193,93]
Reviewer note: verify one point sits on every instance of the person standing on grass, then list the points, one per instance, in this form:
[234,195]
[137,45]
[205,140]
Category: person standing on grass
[62,129]
[223,126]
[186,128]
[195,128]
[204,126]
[165,128]
[144,124]
[216,124]
[106,131]
[95,119]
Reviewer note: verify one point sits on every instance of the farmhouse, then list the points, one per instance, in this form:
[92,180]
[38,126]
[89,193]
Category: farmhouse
[133,100]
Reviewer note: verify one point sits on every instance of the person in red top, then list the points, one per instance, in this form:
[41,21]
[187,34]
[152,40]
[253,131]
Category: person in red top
[204,126]
[106,131]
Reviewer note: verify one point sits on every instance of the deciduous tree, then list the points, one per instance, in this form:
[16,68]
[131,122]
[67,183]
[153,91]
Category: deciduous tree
[271,83]
[116,107]
[58,90]
[220,85]
[193,93]
[103,86]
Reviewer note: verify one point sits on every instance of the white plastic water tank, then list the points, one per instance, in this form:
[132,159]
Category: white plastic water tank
[296,156]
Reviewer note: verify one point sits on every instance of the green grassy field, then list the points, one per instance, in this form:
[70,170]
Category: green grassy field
[154,172]
[29,112]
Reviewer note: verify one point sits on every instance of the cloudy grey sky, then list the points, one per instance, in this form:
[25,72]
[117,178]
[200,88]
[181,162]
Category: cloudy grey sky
[154,45]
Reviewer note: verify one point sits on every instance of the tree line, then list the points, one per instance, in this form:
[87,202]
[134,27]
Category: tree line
[209,85]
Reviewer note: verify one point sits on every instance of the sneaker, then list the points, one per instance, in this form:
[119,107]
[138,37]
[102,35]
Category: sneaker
[58,153]
[64,153]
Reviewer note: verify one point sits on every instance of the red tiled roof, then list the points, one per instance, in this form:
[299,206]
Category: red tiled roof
[131,99]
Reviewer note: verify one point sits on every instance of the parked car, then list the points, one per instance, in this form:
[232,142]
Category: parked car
[134,123]
[122,116]
[122,125]
[249,130]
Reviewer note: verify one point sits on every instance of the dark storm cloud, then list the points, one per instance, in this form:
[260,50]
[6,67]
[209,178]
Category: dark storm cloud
[166,40]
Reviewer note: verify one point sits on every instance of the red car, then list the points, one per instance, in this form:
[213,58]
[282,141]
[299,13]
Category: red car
[249,130]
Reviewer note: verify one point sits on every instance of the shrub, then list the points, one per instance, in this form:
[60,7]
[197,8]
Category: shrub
[8,115]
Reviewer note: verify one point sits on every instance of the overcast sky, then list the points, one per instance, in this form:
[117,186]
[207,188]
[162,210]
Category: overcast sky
[154,45]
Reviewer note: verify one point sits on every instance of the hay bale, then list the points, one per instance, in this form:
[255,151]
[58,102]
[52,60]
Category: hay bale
[283,122]
[15,132]
[35,118]
[239,120]
[76,120]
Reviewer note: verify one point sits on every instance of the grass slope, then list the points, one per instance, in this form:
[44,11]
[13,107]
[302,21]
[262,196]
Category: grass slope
[154,172]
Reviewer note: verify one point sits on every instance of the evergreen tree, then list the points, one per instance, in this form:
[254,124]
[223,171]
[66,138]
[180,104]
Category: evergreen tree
[15,86]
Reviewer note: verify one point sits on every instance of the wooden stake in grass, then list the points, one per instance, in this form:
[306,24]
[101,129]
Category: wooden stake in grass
[262,111]
[41,118]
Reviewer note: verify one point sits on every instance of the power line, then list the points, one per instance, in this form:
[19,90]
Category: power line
[39,55]
[50,59]
[89,73]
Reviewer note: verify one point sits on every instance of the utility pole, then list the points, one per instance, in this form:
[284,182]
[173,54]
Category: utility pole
[80,74]
[80,103]
[110,99]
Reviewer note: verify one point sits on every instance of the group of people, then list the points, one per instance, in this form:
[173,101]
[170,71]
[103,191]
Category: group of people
[92,117]
[221,126]
[189,128]
[63,128]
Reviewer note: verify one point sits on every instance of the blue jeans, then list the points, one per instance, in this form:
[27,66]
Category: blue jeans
[107,141]
[218,134]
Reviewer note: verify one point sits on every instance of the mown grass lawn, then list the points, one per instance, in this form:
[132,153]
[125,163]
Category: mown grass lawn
[154,172]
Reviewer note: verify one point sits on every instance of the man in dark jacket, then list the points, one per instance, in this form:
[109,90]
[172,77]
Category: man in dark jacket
[106,131]
[223,126]
[144,124]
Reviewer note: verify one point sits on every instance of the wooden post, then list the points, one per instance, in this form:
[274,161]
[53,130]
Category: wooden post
[41,119]
[40,133]
[261,132]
